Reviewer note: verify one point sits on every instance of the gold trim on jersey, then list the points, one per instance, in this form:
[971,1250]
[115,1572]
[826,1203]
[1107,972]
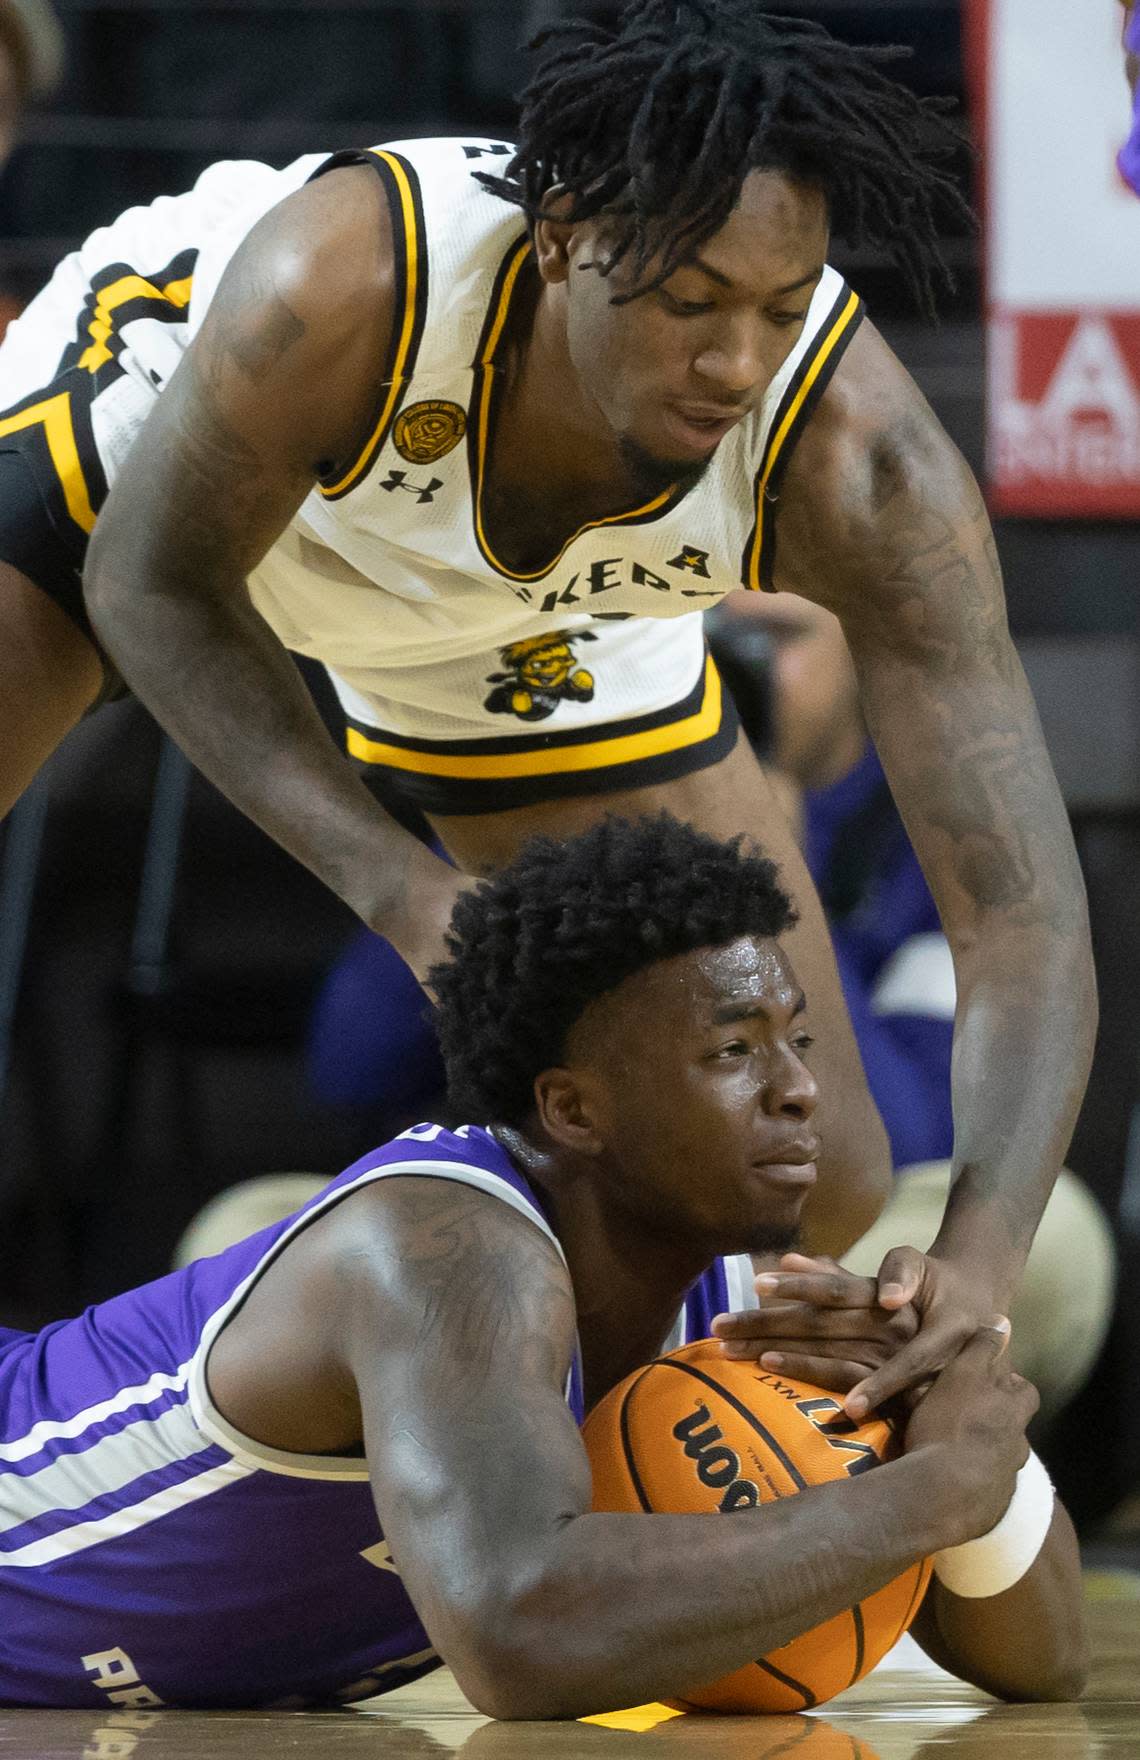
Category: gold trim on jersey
[108,299]
[622,748]
[409,238]
[482,405]
[53,414]
[807,386]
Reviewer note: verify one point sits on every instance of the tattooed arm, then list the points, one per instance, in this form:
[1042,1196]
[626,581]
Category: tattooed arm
[279,384]
[452,1318]
[882,522]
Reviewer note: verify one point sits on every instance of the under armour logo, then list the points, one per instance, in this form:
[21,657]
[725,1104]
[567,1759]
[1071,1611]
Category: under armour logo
[422,491]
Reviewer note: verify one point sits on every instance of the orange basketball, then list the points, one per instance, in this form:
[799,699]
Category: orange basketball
[697,1431]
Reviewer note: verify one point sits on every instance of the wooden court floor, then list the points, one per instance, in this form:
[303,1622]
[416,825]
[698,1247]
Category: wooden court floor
[906,1710]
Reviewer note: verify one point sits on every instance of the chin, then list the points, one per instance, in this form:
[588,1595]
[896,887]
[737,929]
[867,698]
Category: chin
[653,474]
[774,1239]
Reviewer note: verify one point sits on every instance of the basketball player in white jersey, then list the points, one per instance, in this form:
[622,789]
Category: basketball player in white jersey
[482,429]
[312,1467]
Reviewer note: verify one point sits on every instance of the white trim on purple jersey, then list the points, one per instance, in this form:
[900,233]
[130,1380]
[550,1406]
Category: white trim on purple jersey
[150,1554]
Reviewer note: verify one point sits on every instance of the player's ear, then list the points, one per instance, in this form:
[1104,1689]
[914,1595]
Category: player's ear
[552,235]
[568,1110]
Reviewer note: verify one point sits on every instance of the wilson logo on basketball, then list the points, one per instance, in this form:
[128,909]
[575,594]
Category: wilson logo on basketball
[718,1466]
[828,1417]
[427,431]
[837,1430]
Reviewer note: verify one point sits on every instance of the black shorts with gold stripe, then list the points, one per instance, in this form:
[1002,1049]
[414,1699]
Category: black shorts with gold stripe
[54,439]
[465,776]
[43,532]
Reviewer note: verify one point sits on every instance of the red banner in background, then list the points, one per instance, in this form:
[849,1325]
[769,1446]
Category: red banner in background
[1064,412]
[1062,249]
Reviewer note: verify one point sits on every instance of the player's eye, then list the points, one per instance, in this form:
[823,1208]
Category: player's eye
[738,1048]
[683,308]
[786,319]
[803,1042]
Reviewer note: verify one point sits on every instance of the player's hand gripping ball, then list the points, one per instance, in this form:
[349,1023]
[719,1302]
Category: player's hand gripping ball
[695,1431]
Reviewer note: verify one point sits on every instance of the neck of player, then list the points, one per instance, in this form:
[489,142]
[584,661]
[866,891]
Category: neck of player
[551,438]
[629,1281]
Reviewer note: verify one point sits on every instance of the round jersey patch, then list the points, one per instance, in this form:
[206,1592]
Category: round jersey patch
[427,431]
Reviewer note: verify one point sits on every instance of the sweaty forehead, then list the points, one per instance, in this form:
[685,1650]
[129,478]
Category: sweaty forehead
[683,992]
[751,969]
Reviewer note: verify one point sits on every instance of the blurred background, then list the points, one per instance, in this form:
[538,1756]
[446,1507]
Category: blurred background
[160,960]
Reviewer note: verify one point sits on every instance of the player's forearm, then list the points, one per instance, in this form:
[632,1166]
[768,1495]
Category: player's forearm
[984,811]
[216,677]
[621,1609]
[1022,1048]
[1030,1642]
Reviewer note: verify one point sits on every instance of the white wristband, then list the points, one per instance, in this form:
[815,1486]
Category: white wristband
[999,1559]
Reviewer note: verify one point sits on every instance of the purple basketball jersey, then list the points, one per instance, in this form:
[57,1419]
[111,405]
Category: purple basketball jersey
[150,1555]
[1129,158]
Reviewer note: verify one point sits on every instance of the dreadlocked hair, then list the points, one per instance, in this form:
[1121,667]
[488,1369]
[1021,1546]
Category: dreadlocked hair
[567,922]
[657,121]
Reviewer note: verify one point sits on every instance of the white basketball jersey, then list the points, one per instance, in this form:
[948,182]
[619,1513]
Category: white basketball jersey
[388,573]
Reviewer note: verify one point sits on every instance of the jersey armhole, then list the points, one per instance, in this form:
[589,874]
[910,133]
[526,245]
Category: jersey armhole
[405,203]
[805,388]
[246,1450]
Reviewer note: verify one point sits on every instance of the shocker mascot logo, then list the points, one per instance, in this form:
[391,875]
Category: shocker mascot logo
[427,431]
[541,675]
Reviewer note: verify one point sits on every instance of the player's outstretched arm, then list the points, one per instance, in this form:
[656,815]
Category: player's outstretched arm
[882,522]
[1019,1636]
[1027,1642]
[1007,1611]
[453,1318]
[279,384]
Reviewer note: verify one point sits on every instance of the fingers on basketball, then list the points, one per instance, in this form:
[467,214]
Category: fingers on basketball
[696,1432]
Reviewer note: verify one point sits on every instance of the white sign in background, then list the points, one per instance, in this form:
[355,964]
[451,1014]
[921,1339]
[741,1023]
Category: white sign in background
[1062,260]
[1063,227]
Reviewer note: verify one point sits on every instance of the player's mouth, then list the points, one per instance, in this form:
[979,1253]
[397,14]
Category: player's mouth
[699,427]
[792,1165]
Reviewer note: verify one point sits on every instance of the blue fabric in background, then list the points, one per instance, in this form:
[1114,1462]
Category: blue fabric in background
[371,1040]
[906,1056]
[1129,157]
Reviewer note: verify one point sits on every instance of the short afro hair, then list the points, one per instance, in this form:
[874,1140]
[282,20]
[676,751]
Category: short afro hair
[566,922]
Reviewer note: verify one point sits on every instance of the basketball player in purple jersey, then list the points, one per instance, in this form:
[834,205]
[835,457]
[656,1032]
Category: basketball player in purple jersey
[480,428]
[1129,156]
[310,1468]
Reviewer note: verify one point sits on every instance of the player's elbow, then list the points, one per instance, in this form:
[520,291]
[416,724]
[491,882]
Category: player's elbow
[512,1691]
[530,1653]
[515,1673]
[1055,1680]
[1067,1684]
[1061,1686]
[509,1678]
[1054,1675]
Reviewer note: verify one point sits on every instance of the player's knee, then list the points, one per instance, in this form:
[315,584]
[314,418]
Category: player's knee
[50,674]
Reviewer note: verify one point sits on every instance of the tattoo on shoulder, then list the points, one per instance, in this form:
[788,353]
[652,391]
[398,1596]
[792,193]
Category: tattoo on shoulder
[909,540]
[482,1284]
[220,492]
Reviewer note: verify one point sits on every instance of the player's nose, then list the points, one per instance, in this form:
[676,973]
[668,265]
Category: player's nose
[791,1090]
[731,362]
